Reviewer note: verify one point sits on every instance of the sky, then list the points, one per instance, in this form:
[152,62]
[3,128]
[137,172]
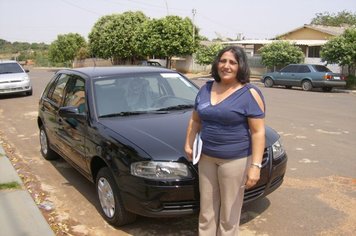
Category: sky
[37,21]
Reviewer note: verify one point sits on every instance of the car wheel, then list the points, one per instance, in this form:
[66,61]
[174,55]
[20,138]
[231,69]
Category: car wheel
[46,151]
[307,85]
[268,82]
[112,208]
[327,89]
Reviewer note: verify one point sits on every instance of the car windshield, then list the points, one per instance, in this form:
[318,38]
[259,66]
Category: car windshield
[8,68]
[321,68]
[143,93]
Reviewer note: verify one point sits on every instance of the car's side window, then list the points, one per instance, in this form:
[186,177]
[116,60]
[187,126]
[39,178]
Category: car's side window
[289,69]
[56,92]
[75,94]
[303,69]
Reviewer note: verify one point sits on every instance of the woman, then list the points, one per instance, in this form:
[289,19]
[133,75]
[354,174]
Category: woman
[229,114]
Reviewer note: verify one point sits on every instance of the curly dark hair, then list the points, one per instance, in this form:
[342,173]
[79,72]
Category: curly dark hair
[243,73]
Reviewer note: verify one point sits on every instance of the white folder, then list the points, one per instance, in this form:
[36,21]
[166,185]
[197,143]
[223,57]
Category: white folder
[197,146]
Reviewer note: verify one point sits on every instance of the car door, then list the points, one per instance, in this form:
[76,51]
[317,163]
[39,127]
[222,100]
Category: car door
[72,130]
[303,72]
[49,107]
[286,75]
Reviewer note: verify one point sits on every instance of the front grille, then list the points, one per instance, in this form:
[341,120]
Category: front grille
[174,206]
[265,158]
[254,193]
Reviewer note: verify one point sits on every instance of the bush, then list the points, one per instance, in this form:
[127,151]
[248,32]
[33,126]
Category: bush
[351,82]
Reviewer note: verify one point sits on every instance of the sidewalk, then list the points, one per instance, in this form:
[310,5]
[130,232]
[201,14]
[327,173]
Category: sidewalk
[19,215]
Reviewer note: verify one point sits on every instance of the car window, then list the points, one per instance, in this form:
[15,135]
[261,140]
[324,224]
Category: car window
[290,69]
[303,69]
[8,68]
[75,94]
[56,91]
[321,68]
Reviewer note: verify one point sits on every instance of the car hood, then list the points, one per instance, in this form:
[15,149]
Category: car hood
[161,136]
[12,76]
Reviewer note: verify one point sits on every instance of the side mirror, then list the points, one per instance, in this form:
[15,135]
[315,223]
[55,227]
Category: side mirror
[71,112]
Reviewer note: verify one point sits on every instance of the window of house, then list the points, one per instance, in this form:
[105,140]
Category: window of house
[314,51]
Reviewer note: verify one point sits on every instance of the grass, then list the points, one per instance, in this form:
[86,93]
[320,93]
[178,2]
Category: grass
[10,185]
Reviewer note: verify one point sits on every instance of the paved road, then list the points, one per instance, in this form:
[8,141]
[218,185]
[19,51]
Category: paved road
[318,196]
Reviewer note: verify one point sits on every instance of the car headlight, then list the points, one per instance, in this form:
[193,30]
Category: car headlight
[160,170]
[277,149]
[26,77]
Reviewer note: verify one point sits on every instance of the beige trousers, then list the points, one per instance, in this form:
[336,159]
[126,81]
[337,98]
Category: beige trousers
[222,187]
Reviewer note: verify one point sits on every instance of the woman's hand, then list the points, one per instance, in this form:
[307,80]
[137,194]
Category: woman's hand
[253,175]
[189,153]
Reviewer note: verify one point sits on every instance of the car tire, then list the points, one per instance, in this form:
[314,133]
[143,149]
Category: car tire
[268,82]
[307,85]
[112,208]
[46,151]
[327,89]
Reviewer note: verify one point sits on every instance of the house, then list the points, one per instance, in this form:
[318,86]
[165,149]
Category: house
[310,38]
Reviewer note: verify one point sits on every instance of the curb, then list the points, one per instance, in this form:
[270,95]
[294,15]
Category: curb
[19,214]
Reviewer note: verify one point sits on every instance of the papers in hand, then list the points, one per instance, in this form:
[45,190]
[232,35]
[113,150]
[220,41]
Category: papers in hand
[197,146]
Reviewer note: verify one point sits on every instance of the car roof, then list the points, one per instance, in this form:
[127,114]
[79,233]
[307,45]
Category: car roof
[8,61]
[116,70]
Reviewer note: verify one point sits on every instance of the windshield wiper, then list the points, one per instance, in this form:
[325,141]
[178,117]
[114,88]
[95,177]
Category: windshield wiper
[130,113]
[124,113]
[177,107]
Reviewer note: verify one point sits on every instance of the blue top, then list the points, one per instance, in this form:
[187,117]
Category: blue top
[225,131]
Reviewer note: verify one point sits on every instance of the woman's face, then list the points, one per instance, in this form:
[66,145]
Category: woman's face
[228,67]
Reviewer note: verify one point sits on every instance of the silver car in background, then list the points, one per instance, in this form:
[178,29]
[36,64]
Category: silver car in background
[14,78]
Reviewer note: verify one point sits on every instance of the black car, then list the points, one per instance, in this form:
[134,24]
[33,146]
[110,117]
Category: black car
[124,129]
[306,76]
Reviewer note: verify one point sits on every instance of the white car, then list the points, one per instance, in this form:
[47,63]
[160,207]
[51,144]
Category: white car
[14,78]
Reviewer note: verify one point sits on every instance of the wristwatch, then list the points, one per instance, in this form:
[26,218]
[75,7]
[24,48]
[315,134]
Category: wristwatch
[257,165]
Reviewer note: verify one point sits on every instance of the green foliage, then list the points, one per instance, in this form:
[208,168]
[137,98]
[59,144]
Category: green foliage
[167,37]
[339,19]
[351,82]
[341,50]
[10,185]
[206,54]
[112,36]
[280,53]
[65,48]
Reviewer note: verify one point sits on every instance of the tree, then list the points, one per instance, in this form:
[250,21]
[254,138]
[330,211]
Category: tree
[65,48]
[112,36]
[280,53]
[206,54]
[339,19]
[342,50]
[167,37]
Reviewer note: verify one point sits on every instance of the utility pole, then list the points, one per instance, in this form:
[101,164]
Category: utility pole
[167,7]
[194,11]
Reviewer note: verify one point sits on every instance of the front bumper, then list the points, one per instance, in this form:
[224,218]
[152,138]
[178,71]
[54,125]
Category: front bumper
[15,87]
[162,199]
[176,198]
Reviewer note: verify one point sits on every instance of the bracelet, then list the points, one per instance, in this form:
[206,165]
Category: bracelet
[257,165]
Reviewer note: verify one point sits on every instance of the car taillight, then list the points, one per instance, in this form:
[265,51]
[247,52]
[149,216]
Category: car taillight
[328,76]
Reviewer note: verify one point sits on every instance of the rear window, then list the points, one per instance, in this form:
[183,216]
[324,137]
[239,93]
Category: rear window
[321,68]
